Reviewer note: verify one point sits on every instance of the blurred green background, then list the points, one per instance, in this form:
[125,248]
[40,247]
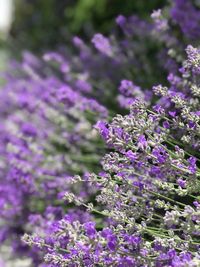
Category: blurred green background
[41,24]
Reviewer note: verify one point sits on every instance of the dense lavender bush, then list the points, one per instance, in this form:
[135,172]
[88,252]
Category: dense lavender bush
[147,204]
[131,196]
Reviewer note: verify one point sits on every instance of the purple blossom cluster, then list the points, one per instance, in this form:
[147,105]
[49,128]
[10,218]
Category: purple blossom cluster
[189,21]
[99,159]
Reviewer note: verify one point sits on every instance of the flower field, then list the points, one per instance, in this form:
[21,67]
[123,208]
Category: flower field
[100,146]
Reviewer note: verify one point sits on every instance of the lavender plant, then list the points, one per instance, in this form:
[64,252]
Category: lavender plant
[48,129]
[147,205]
[138,205]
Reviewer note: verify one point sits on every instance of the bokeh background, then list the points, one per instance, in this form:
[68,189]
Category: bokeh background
[40,24]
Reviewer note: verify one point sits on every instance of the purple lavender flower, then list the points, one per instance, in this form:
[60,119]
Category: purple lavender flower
[102,44]
[188,21]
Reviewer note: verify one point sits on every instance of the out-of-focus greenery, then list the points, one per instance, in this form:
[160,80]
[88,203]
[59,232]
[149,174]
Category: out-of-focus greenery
[41,24]
[4,57]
